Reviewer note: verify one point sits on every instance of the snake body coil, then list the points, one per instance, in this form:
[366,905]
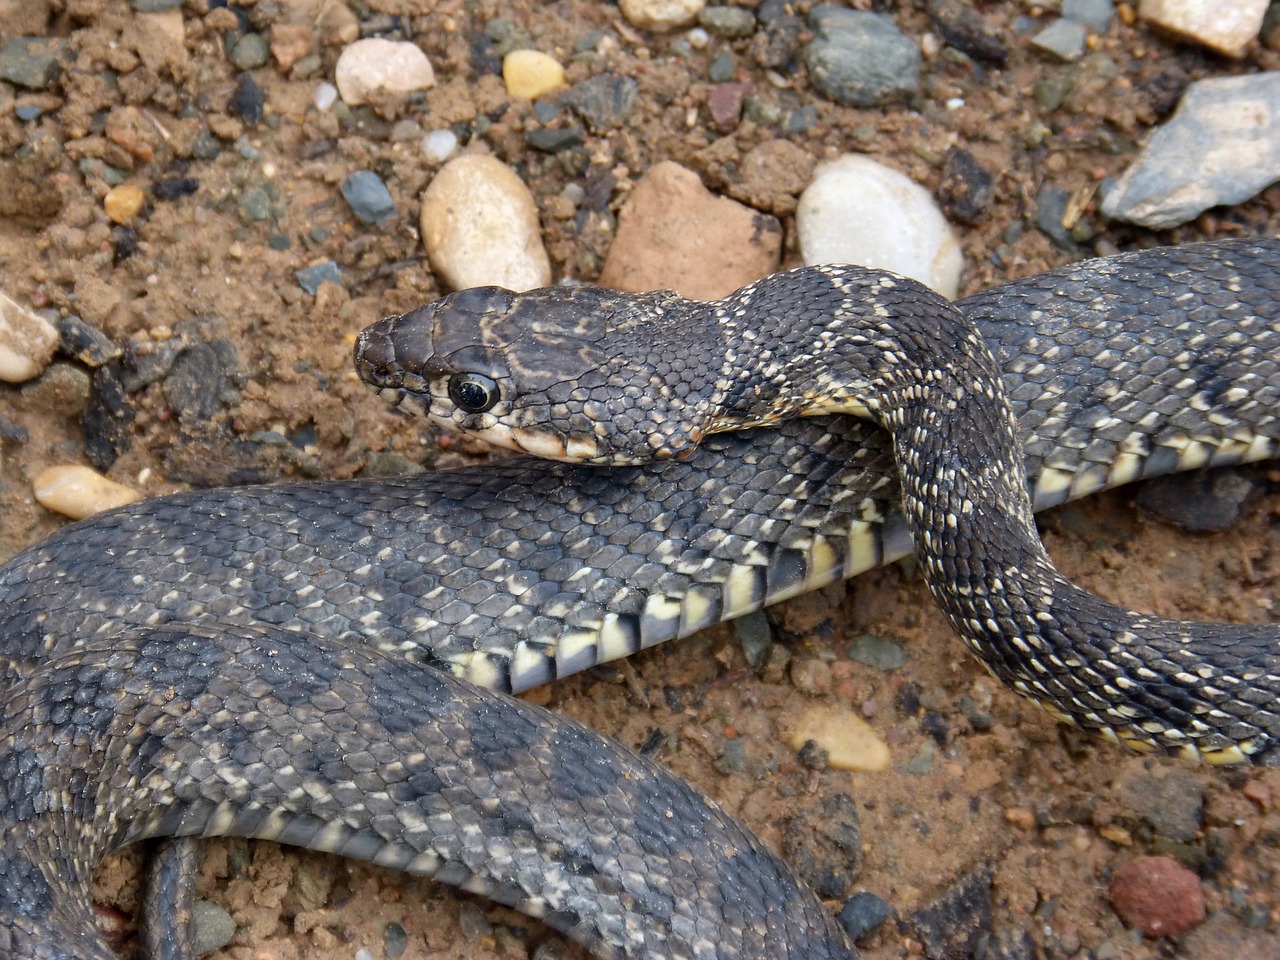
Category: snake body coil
[174,666]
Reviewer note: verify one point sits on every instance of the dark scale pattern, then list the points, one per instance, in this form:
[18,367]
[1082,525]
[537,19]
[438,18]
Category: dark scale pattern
[513,574]
[397,764]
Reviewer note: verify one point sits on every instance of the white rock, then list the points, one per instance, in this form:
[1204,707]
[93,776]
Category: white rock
[27,342]
[325,95]
[1221,147]
[859,211]
[395,66]
[1223,25]
[439,145]
[661,15]
[480,226]
[77,491]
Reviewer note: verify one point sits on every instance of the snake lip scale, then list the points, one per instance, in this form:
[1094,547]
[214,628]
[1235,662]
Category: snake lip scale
[282,661]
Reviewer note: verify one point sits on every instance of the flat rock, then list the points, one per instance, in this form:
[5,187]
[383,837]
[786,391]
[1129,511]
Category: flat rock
[901,228]
[849,741]
[1224,27]
[674,234]
[27,342]
[861,59]
[394,66]
[1221,147]
[480,226]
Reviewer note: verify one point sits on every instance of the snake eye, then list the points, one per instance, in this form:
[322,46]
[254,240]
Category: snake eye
[473,392]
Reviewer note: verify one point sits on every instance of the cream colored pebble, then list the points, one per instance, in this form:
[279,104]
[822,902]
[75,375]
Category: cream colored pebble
[78,491]
[530,73]
[27,342]
[850,742]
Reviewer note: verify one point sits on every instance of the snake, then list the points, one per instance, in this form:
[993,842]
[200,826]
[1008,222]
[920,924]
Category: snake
[306,662]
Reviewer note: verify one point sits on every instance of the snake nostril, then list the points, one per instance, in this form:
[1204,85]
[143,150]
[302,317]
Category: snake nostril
[375,355]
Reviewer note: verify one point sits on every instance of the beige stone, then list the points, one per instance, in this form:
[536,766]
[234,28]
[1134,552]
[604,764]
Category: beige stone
[674,234]
[395,66]
[850,742]
[78,491]
[530,73]
[480,226]
[661,15]
[27,342]
[1226,26]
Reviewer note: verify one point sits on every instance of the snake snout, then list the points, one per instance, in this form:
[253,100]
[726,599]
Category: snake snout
[375,355]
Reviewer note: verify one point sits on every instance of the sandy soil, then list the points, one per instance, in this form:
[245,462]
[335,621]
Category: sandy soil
[1049,811]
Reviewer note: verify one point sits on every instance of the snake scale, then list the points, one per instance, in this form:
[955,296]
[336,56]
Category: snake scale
[265,661]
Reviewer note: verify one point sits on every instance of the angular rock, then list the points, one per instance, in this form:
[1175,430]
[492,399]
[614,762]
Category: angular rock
[860,211]
[480,226]
[1224,27]
[674,234]
[850,742]
[1222,146]
[27,342]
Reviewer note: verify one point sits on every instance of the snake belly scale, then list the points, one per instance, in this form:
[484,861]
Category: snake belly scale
[235,661]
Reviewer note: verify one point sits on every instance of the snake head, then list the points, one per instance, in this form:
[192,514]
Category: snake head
[580,374]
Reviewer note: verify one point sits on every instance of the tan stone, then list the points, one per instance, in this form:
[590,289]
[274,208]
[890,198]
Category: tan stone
[372,64]
[1226,27]
[78,491]
[674,234]
[27,342]
[529,73]
[850,742]
[661,15]
[480,226]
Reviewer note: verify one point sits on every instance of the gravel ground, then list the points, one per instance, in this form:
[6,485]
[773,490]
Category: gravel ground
[982,784]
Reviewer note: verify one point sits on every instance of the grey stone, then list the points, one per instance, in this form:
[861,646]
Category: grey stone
[30,62]
[721,69]
[860,59]
[368,196]
[155,6]
[1173,804]
[862,913]
[211,927]
[604,101]
[1221,147]
[728,21]
[1200,501]
[1065,39]
[394,940]
[310,278]
[1092,13]
[754,635]
[879,652]
[250,52]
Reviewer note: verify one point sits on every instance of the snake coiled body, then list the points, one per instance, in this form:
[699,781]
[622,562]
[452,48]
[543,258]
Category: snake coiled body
[513,574]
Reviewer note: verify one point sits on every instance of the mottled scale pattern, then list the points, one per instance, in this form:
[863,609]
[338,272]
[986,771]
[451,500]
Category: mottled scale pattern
[282,736]
[511,574]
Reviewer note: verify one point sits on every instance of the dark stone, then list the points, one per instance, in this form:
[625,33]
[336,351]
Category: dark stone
[124,244]
[554,140]
[171,188]
[310,278]
[967,187]
[964,28]
[85,342]
[862,913]
[31,62]
[861,59]
[1172,804]
[201,377]
[107,419]
[777,45]
[247,102]
[952,927]
[824,846]
[1051,210]
[603,102]
[368,196]
[725,103]
[1201,501]
[935,726]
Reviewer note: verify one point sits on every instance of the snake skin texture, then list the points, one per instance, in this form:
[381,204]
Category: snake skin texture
[515,573]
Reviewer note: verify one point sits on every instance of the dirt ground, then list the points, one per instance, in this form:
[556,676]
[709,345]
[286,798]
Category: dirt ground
[1051,813]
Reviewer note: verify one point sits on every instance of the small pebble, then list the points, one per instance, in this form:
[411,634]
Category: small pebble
[368,196]
[30,62]
[1094,14]
[737,22]
[1064,38]
[1158,896]
[903,230]
[661,16]
[27,342]
[251,51]
[373,63]
[879,652]
[480,226]
[862,913]
[77,491]
[1224,27]
[310,278]
[849,741]
[325,95]
[211,927]
[122,203]
[290,42]
[439,145]
[394,940]
[530,73]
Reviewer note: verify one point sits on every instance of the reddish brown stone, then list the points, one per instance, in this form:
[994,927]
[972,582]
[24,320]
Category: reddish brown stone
[1158,896]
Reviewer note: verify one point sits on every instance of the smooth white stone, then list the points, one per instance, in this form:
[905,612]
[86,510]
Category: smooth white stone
[395,66]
